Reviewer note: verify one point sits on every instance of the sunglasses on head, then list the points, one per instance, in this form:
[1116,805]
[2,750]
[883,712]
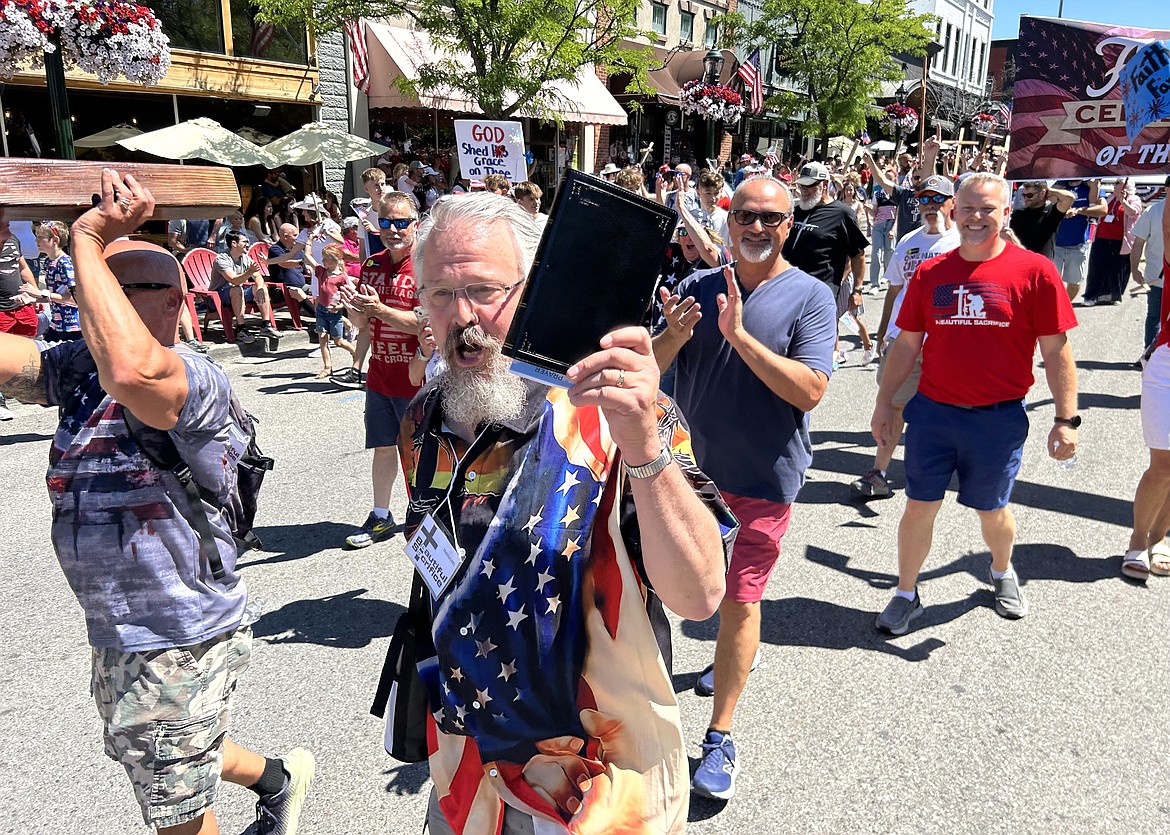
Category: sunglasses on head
[927,199]
[399,223]
[746,217]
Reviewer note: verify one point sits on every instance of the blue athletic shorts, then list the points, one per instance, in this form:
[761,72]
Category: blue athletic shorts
[384,419]
[984,445]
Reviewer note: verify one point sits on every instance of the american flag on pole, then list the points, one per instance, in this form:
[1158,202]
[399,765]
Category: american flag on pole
[262,34]
[749,72]
[864,138]
[1005,114]
[771,159]
[358,54]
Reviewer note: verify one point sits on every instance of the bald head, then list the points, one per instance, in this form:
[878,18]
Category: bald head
[766,190]
[138,262]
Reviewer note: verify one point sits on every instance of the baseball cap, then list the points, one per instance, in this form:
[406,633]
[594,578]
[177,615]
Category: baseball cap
[428,170]
[813,173]
[747,158]
[138,262]
[415,165]
[938,184]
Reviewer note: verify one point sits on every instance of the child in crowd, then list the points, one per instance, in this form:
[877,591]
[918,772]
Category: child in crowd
[331,322]
[64,321]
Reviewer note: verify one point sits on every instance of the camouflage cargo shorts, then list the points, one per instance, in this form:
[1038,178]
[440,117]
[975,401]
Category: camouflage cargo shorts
[165,715]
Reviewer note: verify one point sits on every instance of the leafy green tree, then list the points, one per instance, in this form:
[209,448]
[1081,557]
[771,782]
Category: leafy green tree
[837,51]
[516,48]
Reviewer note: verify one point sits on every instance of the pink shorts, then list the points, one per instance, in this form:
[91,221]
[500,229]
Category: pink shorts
[762,524]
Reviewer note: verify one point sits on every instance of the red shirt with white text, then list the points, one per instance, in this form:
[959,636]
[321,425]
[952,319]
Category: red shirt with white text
[390,350]
[982,320]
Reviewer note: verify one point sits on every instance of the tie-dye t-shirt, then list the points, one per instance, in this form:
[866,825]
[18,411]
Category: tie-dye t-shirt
[551,646]
[130,557]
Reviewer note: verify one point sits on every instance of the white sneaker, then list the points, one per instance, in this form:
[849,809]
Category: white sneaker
[841,357]
[6,413]
[869,356]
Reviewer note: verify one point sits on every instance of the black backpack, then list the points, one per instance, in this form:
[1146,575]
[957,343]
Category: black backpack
[157,446]
[240,509]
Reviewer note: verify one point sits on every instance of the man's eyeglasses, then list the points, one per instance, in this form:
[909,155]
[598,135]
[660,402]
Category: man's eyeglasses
[399,223]
[146,285]
[927,199]
[1028,195]
[746,217]
[486,294]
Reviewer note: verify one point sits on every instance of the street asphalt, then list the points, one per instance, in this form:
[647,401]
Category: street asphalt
[968,724]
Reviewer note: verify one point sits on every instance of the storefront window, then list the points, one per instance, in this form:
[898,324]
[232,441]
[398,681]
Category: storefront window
[253,38]
[658,18]
[190,24]
[711,35]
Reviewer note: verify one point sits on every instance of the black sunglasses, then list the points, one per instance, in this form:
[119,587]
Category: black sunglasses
[398,223]
[927,199]
[147,285]
[746,217]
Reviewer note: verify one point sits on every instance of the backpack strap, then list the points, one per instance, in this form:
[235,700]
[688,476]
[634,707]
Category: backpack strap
[158,446]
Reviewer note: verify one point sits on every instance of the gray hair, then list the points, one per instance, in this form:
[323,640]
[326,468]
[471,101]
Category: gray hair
[768,178]
[983,178]
[475,214]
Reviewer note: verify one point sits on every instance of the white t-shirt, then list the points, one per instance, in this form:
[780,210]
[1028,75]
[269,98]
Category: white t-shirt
[316,239]
[406,186]
[912,250]
[1148,227]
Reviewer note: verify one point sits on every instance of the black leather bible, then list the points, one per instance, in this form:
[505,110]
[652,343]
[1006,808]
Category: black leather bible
[595,270]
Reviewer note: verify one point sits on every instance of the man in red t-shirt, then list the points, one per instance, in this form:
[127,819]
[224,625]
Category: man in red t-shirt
[386,297]
[984,307]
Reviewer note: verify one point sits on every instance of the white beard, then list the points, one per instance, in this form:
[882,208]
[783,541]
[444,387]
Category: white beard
[755,253]
[488,393]
[812,202]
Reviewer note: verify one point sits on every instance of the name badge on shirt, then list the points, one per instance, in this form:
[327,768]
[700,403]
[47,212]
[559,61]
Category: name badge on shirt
[435,555]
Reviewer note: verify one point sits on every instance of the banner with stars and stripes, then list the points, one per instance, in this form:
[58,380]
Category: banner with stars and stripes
[1068,115]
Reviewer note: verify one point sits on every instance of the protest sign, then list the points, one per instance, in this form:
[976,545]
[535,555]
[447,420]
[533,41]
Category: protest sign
[1145,88]
[487,147]
[1069,116]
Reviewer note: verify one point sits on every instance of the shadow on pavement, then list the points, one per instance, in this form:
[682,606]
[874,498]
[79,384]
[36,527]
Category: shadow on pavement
[283,543]
[24,438]
[1099,365]
[308,384]
[346,621]
[702,808]
[804,622]
[408,778]
[1041,561]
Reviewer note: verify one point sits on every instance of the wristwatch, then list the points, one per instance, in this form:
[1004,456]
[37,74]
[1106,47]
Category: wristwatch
[653,468]
[1074,421]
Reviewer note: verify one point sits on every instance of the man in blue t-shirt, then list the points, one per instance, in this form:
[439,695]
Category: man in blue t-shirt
[759,355]
[169,630]
[1071,249]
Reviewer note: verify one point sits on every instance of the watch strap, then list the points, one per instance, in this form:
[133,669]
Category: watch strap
[653,468]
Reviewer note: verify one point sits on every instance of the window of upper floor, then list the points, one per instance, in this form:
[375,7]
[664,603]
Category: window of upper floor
[658,18]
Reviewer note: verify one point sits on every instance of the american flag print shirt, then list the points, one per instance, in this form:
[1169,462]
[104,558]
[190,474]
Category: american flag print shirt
[547,639]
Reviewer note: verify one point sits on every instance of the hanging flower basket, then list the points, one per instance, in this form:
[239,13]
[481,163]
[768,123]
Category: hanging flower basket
[984,123]
[900,118]
[104,37]
[711,101]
